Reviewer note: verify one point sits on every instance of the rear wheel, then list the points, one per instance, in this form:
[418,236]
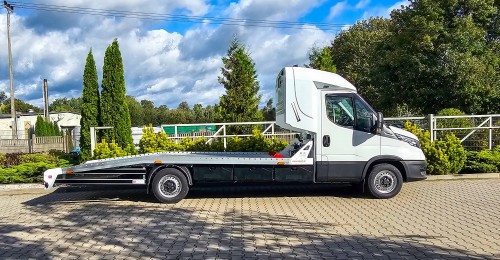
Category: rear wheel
[170,185]
[385,181]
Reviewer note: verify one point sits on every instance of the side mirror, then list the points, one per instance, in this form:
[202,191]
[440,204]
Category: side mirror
[380,121]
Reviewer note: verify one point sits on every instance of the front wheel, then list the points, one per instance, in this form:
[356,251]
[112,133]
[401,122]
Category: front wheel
[385,181]
[170,185]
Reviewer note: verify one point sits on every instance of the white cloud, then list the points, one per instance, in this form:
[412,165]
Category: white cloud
[163,66]
[397,5]
[383,11]
[337,9]
[278,10]
[362,4]
[345,27]
[163,84]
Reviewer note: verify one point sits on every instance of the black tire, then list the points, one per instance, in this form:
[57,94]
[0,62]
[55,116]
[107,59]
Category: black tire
[385,181]
[170,185]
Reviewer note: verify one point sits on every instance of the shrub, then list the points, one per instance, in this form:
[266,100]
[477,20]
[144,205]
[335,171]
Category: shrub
[22,168]
[455,151]
[453,122]
[258,142]
[152,142]
[157,142]
[58,158]
[11,159]
[482,162]
[477,167]
[26,172]
[443,156]
[3,160]
[200,144]
[105,150]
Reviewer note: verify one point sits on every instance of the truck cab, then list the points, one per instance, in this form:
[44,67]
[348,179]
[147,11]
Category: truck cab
[352,143]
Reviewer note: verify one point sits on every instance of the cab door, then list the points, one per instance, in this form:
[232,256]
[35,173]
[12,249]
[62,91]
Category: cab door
[348,139]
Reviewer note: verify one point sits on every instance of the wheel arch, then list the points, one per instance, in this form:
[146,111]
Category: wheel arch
[156,169]
[390,159]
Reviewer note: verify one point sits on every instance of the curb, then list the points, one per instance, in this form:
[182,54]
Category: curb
[20,186]
[463,176]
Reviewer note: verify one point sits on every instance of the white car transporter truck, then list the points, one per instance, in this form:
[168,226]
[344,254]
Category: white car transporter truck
[342,139]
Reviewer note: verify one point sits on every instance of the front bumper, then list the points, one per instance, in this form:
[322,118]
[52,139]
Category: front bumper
[415,170]
[50,176]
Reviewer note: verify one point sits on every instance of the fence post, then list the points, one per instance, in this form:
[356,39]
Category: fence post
[175,134]
[431,127]
[491,133]
[31,142]
[92,140]
[225,141]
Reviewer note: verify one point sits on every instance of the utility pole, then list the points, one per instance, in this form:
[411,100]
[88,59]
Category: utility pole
[10,9]
[46,100]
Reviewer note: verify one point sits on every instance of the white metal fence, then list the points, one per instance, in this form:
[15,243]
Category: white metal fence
[268,128]
[476,132]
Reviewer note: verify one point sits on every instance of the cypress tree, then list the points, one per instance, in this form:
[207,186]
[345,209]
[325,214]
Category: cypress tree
[50,128]
[89,106]
[114,107]
[39,126]
[57,131]
[241,101]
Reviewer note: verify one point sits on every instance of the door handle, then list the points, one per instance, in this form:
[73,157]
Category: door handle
[326,140]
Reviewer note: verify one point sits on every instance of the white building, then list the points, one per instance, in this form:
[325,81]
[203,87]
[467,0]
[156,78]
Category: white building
[26,121]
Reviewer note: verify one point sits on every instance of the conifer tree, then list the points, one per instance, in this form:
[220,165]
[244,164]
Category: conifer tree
[113,102]
[241,101]
[90,105]
[39,126]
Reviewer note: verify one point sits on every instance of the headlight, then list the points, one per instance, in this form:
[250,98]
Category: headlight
[411,141]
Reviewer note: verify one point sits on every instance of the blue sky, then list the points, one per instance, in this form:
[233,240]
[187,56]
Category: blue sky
[166,62]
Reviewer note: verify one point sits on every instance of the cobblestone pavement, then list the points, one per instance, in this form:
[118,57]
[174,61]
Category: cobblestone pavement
[427,220]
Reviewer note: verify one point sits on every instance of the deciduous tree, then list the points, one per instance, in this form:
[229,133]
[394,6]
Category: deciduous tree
[441,54]
[66,105]
[136,113]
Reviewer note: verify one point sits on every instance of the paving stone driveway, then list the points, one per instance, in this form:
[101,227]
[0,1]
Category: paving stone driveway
[427,220]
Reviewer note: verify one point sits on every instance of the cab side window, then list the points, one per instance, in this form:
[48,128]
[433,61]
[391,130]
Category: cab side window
[340,110]
[364,117]
[350,112]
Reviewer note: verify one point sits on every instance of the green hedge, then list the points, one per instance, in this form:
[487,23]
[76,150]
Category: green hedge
[483,161]
[26,168]
[444,156]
